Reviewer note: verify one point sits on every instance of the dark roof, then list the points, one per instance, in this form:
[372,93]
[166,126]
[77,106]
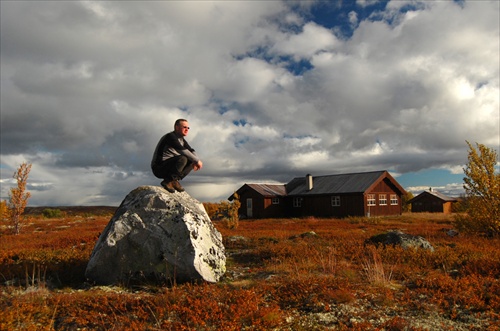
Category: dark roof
[342,183]
[269,189]
[438,195]
[266,190]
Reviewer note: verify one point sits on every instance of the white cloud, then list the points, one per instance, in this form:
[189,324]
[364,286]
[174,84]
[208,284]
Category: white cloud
[310,41]
[88,88]
[366,3]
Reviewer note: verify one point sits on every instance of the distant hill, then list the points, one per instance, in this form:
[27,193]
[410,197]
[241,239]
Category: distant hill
[75,210]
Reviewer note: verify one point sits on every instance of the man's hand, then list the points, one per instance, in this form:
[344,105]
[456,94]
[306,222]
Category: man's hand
[198,165]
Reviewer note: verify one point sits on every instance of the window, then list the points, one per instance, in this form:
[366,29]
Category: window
[370,198]
[335,201]
[297,202]
[394,200]
[382,199]
[276,201]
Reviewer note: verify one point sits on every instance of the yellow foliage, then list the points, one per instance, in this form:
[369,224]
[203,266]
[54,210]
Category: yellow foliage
[482,188]
[225,211]
[407,197]
[4,211]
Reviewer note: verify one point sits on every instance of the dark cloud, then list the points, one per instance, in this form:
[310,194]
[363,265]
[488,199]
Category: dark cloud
[272,90]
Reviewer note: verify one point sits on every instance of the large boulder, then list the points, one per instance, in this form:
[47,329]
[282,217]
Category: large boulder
[399,238]
[157,235]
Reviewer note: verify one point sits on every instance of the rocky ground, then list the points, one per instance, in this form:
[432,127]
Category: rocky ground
[364,311]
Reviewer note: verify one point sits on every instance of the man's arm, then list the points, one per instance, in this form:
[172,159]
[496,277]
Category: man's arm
[186,150]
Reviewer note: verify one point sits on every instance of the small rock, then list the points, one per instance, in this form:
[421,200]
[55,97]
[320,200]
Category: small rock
[399,238]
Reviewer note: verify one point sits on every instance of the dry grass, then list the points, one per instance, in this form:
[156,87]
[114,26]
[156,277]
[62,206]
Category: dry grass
[375,271]
[276,280]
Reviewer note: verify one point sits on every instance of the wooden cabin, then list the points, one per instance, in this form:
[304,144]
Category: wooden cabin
[374,193]
[261,200]
[432,201]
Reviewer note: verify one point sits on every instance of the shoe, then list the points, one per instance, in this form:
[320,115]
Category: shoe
[177,186]
[168,186]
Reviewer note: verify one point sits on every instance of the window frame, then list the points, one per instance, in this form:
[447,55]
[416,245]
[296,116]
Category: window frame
[371,200]
[297,202]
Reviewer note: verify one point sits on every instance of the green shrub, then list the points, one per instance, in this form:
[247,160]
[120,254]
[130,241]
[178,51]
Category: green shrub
[52,213]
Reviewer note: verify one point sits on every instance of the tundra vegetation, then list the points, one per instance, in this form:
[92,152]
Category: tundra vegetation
[282,274]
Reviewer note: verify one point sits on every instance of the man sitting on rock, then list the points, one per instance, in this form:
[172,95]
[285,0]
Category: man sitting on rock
[173,158]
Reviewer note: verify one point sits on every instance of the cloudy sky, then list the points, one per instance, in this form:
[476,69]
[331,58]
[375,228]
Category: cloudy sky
[272,90]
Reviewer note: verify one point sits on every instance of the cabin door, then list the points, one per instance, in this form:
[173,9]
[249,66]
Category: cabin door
[249,208]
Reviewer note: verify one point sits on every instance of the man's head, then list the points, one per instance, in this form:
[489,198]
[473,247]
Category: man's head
[181,127]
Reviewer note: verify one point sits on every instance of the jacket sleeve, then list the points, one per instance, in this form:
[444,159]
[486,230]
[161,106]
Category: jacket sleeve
[189,153]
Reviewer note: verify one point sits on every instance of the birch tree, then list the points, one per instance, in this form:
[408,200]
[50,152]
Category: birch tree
[482,190]
[18,196]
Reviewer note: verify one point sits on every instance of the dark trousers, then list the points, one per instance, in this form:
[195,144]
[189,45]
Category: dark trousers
[174,168]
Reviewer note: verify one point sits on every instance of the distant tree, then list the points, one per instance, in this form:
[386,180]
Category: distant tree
[405,198]
[482,189]
[228,212]
[212,209]
[232,220]
[18,197]
[225,211]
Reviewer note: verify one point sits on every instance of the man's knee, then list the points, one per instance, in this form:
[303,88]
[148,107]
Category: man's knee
[182,161]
